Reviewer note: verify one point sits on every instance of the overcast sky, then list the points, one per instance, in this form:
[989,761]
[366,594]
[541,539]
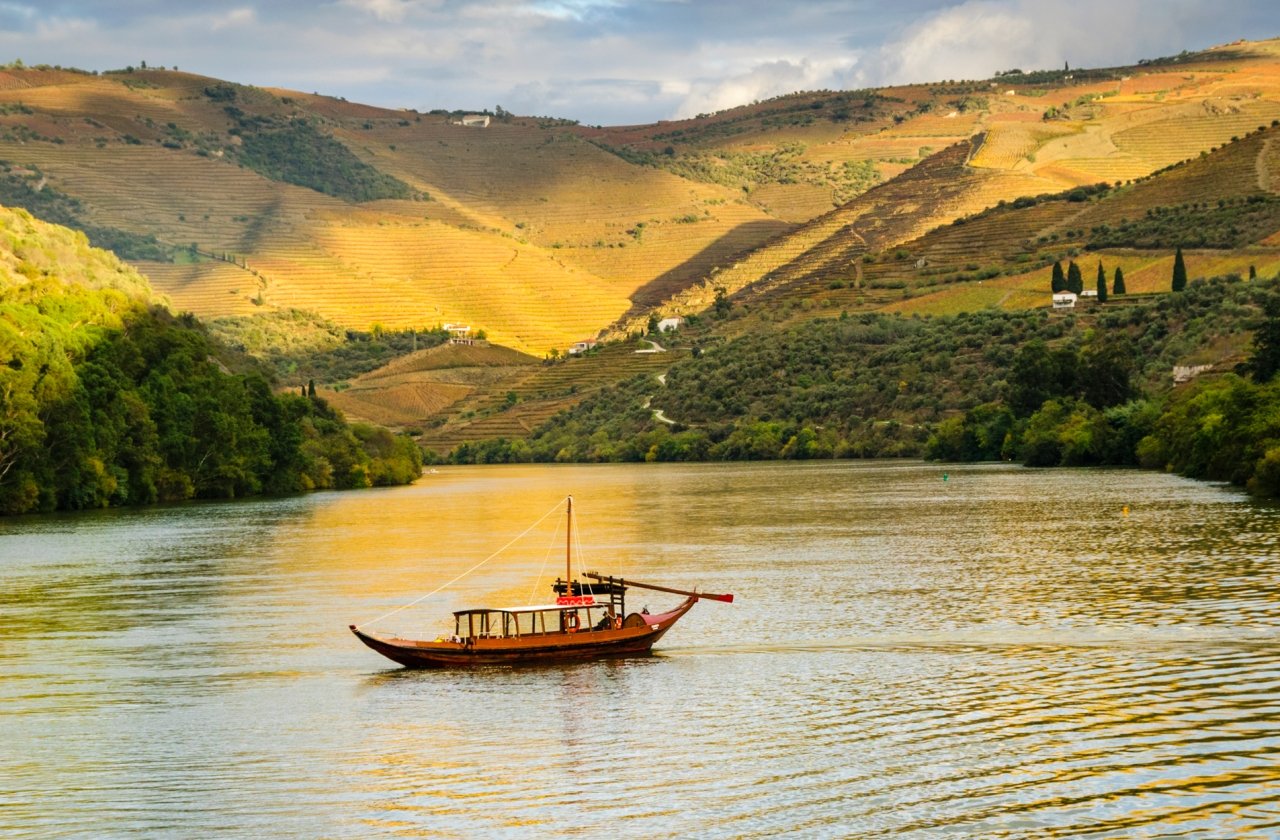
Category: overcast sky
[610,62]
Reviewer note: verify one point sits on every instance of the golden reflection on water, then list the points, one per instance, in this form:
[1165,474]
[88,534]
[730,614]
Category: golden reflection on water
[1004,654]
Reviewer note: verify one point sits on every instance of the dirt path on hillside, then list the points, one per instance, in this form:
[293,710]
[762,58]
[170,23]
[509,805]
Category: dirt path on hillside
[657,412]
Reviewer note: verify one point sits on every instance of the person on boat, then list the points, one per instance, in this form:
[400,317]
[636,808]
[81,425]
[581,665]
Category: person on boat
[608,621]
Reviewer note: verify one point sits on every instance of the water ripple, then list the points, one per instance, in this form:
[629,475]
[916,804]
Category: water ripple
[986,658]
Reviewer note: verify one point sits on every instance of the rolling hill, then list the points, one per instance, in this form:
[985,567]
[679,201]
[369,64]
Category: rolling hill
[238,202]
[542,232]
[1223,206]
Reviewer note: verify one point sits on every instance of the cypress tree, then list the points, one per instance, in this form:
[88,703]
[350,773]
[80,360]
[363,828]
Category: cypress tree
[1075,280]
[1102,284]
[1059,282]
[1179,272]
[311,388]
[1117,285]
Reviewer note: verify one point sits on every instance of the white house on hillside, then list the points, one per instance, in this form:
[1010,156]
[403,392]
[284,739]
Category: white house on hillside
[669,324]
[459,333]
[1064,300]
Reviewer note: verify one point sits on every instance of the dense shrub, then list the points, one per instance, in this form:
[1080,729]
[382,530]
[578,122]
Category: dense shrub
[980,386]
[298,153]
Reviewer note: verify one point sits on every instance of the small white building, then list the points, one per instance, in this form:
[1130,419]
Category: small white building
[459,333]
[582,346]
[675,322]
[1185,373]
[473,121]
[1064,300]
[1089,293]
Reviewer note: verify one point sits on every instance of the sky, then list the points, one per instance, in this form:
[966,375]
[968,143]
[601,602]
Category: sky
[611,62]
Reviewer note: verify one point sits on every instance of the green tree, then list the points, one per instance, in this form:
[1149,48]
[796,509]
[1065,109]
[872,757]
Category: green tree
[1218,429]
[1266,475]
[1059,281]
[1039,373]
[1106,370]
[1064,432]
[1117,285]
[1075,280]
[979,436]
[1265,360]
[1179,272]
[722,304]
[1102,284]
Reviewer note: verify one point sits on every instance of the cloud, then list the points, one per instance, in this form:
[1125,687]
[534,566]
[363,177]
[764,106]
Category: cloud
[623,61]
[571,9]
[391,11]
[16,15]
[764,81]
[232,19]
[976,38]
[958,43]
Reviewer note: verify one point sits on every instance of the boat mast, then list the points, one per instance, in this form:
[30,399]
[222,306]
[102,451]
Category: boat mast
[568,542]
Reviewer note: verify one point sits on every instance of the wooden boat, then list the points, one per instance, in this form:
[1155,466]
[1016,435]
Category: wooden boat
[589,620]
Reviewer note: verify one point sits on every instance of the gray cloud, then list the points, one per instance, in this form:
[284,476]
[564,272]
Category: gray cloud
[610,61]
[974,38]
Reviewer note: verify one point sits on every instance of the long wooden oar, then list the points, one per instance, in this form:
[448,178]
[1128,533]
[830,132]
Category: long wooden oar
[728,598]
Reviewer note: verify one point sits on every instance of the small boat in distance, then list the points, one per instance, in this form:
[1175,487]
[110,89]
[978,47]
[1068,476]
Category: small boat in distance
[589,620]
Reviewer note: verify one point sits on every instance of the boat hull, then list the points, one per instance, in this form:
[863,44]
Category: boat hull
[636,638]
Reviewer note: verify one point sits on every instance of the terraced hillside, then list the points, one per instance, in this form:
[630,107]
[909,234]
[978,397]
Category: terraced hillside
[404,392]
[832,247]
[894,248]
[513,407]
[1223,208]
[541,232]
[510,230]
[1033,137]
[1001,257]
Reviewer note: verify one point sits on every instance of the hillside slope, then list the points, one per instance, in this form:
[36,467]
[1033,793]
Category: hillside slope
[504,227]
[107,399]
[238,200]
[1223,207]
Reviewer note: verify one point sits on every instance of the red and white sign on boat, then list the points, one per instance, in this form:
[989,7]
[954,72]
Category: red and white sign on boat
[575,601]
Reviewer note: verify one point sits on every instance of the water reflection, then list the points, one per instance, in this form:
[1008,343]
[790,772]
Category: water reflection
[1004,654]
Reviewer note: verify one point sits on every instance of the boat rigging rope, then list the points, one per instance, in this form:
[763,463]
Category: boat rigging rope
[513,541]
[545,557]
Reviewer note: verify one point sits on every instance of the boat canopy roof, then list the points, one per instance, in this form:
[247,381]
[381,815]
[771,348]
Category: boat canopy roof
[536,608]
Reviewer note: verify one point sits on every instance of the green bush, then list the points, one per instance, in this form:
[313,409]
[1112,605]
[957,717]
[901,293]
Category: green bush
[297,153]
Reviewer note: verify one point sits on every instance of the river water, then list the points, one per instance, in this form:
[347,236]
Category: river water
[1003,653]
